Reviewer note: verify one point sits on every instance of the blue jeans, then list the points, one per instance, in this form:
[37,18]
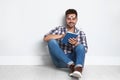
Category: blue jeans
[61,60]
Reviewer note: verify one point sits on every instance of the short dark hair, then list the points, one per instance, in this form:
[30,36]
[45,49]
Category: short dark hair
[71,11]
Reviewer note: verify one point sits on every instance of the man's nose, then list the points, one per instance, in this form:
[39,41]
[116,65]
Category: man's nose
[71,20]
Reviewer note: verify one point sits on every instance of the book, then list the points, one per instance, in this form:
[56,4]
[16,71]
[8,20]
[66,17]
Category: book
[68,36]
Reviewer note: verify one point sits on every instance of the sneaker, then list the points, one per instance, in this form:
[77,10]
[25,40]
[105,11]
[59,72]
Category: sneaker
[77,73]
[71,68]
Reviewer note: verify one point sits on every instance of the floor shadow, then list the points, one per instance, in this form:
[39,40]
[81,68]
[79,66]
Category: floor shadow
[74,78]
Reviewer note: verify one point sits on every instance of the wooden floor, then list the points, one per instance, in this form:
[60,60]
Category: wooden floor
[52,73]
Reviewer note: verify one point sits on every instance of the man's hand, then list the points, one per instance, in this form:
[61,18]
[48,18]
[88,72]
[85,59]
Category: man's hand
[63,35]
[73,41]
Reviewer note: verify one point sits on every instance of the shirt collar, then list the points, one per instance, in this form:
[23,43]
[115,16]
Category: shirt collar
[76,30]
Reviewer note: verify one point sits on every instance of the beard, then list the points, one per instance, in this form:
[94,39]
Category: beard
[71,24]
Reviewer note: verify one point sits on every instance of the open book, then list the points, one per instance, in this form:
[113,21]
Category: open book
[68,36]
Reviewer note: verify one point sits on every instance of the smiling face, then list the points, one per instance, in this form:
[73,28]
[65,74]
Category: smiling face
[71,20]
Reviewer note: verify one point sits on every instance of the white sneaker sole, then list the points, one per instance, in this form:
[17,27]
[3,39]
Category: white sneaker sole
[76,74]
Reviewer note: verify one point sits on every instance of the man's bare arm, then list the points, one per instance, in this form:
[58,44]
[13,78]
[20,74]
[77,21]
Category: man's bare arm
[51,36]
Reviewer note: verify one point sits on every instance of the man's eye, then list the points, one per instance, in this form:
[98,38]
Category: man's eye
[68,19]
[74,18]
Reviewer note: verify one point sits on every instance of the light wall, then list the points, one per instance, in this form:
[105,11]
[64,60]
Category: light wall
[23,24]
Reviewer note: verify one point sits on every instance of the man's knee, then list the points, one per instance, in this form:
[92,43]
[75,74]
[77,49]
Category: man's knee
[80,47]
[52,43]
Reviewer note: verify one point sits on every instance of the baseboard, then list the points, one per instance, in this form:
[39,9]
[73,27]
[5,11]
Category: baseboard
[45,60]
[25,60]
[102,60]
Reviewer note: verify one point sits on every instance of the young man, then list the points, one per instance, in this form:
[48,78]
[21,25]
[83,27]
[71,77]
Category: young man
[69,55]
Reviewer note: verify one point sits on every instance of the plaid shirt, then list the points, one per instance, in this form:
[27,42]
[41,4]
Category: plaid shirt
[69,48]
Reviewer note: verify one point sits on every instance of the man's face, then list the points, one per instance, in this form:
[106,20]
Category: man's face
[71,20]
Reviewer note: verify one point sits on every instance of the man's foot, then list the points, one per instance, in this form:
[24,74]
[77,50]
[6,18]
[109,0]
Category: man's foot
[77,72]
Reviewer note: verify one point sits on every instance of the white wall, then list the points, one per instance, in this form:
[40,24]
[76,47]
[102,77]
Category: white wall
[23,24]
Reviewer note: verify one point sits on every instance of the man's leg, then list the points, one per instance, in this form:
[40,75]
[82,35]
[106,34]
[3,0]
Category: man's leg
[57,62]
[57,53]
[80,55]
[79,63]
